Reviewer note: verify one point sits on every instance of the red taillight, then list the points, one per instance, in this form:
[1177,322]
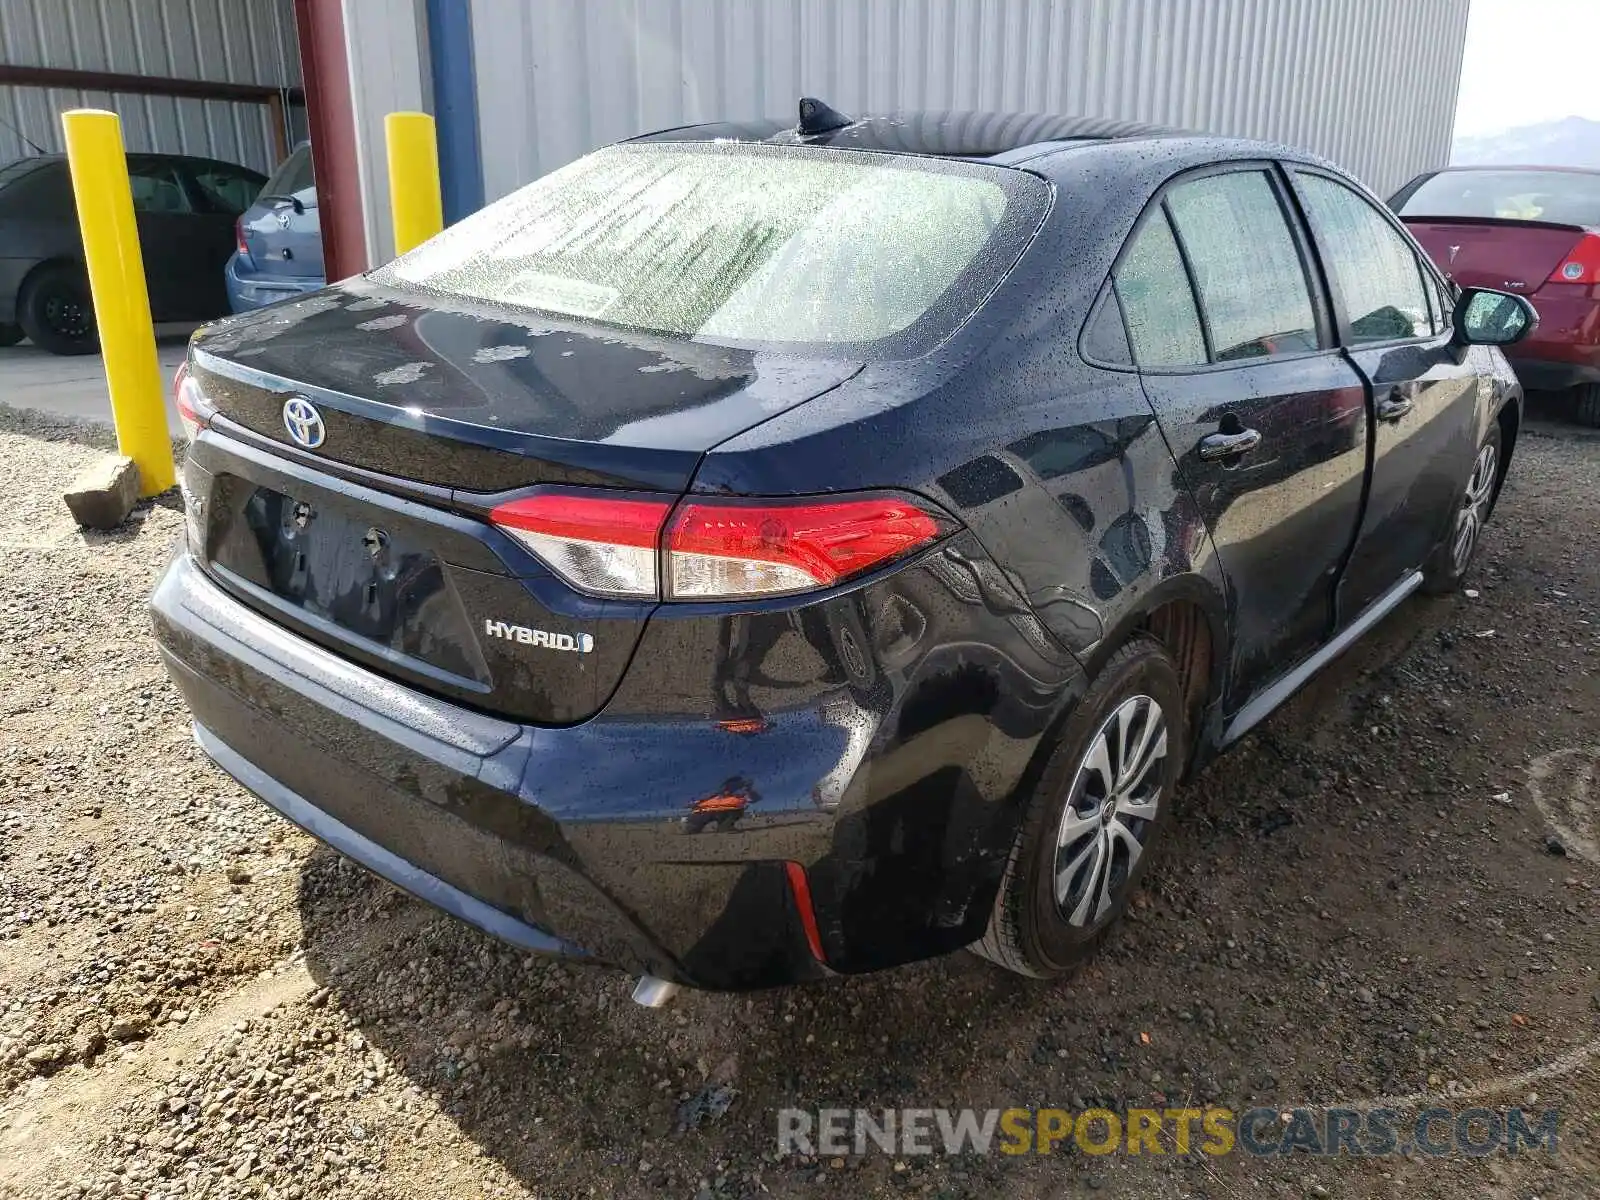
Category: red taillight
[194,410]
[1582,264]
[239,238]
[718,549]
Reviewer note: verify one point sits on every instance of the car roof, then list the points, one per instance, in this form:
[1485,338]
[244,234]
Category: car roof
[1046,142]
[940,134]
[40,160]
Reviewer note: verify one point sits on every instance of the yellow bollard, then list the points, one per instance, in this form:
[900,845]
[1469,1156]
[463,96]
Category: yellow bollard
[413,178]
[121,303]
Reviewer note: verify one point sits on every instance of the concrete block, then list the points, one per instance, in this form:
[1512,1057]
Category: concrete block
[103,495]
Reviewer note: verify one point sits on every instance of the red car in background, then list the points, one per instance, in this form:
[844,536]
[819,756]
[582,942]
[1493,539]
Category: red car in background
[1534,231]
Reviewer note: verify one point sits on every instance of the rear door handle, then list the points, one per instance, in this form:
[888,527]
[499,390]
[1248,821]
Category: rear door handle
[1394,406]
[1217,446]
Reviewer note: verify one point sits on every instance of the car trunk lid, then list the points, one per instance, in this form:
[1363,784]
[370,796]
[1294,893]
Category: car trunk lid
[284,238]
[282,229]
[375,540]
[1504,254]
[435,391]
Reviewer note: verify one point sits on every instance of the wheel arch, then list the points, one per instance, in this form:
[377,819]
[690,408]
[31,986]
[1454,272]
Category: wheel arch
[1509,419]
[44,264]
[1187,614]
[14,275]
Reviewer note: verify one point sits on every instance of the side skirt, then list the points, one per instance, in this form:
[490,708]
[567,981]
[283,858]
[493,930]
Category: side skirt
[1286,685]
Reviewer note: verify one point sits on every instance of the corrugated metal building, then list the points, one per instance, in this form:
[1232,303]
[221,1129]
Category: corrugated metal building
[524,86]
[1369,83]
[245,48]
[521,87]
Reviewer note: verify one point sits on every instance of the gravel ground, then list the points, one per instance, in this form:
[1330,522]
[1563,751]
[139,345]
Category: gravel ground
[1387,892]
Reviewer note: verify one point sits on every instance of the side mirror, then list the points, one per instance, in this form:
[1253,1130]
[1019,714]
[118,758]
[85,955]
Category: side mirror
[1488,318]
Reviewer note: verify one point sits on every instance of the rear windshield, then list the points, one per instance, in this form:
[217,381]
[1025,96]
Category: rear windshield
[32,187]
[1563,197]
[16,169]
[752,246]
[293,177]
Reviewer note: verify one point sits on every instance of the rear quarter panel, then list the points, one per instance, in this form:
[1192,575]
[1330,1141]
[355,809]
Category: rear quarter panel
[25,242]
[1057,466]
[1077,523]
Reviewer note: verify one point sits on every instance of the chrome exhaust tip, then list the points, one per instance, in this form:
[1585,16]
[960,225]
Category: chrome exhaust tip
[651,992]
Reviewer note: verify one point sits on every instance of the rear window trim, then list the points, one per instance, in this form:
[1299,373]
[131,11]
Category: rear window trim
[1030,198]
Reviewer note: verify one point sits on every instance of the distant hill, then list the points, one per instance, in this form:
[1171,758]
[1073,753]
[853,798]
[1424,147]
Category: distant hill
[1569,142]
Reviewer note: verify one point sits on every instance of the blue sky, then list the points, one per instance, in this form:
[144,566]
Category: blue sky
[1528,61]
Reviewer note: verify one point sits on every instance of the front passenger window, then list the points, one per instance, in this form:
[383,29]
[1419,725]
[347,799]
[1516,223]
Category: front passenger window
[1373,267]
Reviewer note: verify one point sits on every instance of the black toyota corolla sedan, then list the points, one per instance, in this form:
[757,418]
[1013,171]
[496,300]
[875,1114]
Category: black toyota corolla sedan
[754,553]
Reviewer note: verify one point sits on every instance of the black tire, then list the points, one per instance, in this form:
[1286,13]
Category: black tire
[1449,565]
[56,311]
[1586,405]
[10,335]
[1033,930]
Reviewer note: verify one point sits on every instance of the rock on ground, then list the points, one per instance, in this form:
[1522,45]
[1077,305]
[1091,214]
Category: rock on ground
[198,1001]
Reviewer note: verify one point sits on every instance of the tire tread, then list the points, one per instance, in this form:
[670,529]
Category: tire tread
[1001,942]
[1587,405]
[41,336]
[1439,577]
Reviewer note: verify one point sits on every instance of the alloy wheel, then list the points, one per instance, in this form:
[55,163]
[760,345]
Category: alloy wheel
[1115,797]
[1474,507]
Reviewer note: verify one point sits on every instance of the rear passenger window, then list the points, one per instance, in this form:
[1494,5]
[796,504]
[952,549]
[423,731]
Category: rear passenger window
[1157,303]
[1373,267]
[1247,268]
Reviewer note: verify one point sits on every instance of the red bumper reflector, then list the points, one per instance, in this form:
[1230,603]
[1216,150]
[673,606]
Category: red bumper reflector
[728,802]
[808,916]
[744,725]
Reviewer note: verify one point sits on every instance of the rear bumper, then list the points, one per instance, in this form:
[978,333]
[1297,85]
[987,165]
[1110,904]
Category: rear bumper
[895,795]
[1565,350]
[248,290]
[354,845]
[1546,375]
[436,799]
